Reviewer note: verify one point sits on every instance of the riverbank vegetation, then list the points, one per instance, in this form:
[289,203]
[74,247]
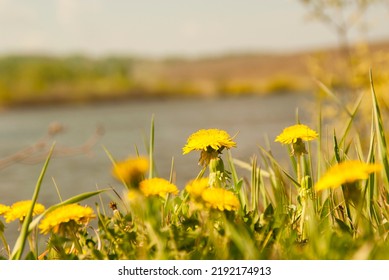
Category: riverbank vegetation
[44,79]
[329,202]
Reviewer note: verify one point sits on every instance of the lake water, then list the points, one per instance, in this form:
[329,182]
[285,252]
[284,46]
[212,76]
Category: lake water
[127,125]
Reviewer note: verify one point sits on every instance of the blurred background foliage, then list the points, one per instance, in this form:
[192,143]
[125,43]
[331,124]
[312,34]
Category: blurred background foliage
[39,78]
[28,80]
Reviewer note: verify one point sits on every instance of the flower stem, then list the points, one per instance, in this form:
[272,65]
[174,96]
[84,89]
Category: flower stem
[6,246]
[302,222]
[298,167]
[303,196]
[76,243]
[199,176]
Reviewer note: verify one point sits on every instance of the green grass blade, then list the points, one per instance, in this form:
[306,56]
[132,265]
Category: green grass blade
[254,185]
[351,120]
[113,161]
[320,143]
[248,167]
[171,176]
[234,174]
[379,128]
[21,241]
[272,159]
[151,149]
[235,179]
[336,149]
[369,187]
[329,92]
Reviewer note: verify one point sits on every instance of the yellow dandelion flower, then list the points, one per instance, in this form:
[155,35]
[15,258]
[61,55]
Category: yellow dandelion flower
[4,209]
[196,187]
[206,139]
[133,195]
[220,199]
[131,170]
[346,172]
[210,142]
[157,186]
[19,210]
[292,133]
[71,214]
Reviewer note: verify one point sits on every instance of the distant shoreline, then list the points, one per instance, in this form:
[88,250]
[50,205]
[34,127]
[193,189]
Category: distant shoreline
[40,80]
[120,100]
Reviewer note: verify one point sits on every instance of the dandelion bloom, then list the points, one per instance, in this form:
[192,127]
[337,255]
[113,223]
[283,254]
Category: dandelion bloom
[210,142]
[346,172]
[135,197]
[220,199]
[68,215]
[157,186]
[19,210]
[132,195]
[196,187]
[4,209]
[131,170]
[206,139]
[292,133]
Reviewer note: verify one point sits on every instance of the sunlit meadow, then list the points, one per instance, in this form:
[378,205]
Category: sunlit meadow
[329,202]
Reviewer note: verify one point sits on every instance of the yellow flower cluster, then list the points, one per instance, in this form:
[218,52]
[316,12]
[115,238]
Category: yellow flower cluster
[216,198]
[157,186]
[220,199]
[292,133]
[196,187]
[346,172]
[131,170]
[206,139]
[3,209]
[210,142]
[19,210]
[71,213]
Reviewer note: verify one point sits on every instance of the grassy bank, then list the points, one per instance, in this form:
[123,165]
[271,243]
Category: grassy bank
[330,202]
[26,80]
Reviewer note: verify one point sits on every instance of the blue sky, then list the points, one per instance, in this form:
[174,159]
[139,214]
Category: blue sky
[166,27]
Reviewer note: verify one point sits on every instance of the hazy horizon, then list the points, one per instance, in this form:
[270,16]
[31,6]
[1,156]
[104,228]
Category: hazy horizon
[172,29]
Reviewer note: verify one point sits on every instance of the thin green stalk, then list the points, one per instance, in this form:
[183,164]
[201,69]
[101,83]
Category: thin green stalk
[237,182]
[333,96]
[33,242]
[273,161]
[57,189]
[302,219]
[381,140]
[200,175]
[298,166]
[254,183]
[151,149]
[6,246]
[320,143]
[21,241]
[171,171]
[113,161]
[101,201]
[76,242]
